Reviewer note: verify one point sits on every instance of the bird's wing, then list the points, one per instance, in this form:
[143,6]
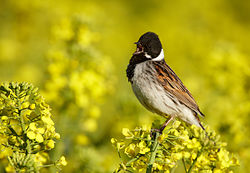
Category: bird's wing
[170,81]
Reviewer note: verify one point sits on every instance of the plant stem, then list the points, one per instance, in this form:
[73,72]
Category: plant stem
[153,153]
[195,160]
[23,127]
[183,161]
[28,147]
[132,160]
[45,166]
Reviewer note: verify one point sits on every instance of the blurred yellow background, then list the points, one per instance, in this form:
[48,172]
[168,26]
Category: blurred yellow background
[76,52]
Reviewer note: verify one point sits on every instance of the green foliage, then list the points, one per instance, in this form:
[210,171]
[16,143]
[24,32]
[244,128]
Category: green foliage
[27,130]
[199,151]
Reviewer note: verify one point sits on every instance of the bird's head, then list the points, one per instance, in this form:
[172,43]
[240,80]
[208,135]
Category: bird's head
[150,46]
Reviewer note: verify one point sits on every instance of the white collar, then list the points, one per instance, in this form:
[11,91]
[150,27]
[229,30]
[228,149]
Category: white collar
[159,57]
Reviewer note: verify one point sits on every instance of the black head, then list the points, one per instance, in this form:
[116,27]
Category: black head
[149,44]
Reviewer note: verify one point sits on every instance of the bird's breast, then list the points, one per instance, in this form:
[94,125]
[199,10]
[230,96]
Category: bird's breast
[146,87]
[141,85]
[150,92]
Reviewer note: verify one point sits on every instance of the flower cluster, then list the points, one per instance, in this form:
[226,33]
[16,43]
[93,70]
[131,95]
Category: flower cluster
[27,131]
[198,150]
[79,78]
[228,79]
[78,75]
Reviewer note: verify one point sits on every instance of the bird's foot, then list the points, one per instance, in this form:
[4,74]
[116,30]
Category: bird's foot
[154,131]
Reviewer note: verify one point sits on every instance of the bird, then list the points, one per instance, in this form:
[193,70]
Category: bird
[157,86]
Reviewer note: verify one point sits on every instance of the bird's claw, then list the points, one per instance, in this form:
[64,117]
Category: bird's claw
[153,132]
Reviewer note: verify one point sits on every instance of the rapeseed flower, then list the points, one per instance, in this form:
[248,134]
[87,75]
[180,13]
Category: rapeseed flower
[27,131]
[198,150]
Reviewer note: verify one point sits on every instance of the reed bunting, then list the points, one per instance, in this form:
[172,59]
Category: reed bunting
[156,85]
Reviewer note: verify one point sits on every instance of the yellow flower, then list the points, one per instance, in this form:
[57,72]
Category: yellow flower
[41,158]
[193,155]
[113,140]
[10,168]
[50,143]
[35,133]
[32,106]
[118,145]
[175,132]
[47,120]
[25,105]
[223,158]
[62,161]
[130,150]
[176,156]
[176,124]
[57,136]
[50,129]
[25,125]
[216,170]
[158,166]
[126,132]
[4,118]
[194,144]
[5,151]
[162,137]
[143,147]
[186,154]
[202,160]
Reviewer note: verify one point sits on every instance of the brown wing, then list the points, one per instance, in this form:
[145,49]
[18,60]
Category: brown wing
[173,84]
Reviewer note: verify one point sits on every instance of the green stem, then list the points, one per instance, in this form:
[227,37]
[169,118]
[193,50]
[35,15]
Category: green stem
[195,160]
[46,166]
[24,130]
[28,145]
[183,161]
[132,160]
[11,162]
[153,154]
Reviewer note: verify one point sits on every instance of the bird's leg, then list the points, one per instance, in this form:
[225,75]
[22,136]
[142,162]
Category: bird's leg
[165,124]
[162,127]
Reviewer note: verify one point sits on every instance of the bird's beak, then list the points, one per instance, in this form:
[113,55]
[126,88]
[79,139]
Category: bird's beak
[139,48]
